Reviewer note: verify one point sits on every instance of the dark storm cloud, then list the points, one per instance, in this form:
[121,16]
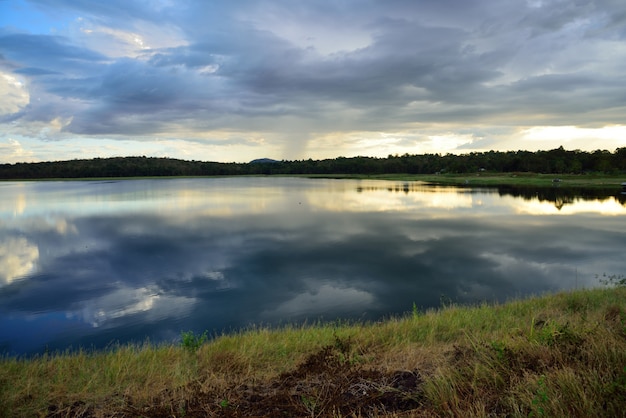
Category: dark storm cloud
[407,56]
[35,71]
[48,53]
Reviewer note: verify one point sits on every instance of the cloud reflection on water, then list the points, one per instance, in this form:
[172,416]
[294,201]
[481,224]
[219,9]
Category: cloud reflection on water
[125,301]
[18,258]
[226,253]
[610,206]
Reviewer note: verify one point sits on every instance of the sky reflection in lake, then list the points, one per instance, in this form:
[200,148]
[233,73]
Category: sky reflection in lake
[88,263]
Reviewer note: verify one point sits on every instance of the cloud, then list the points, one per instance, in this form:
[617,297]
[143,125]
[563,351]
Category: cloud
[14,95]
[55,53]
[13,152]
[295,73]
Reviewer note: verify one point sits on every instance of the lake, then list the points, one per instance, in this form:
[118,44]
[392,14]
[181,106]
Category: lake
[92,263]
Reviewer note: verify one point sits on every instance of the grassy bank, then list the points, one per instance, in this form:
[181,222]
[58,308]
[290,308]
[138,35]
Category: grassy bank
[587,181]
[555,355]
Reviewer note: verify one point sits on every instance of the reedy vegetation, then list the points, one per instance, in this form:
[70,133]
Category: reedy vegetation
[553,355]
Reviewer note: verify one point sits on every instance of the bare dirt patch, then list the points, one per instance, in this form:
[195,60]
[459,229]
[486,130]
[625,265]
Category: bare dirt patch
[328,383]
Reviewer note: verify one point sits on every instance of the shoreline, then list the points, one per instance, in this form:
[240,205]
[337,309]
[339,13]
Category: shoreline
[566,181]
[483,180]
[553,355]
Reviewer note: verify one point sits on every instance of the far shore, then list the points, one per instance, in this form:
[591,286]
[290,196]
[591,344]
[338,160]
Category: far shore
[483,179]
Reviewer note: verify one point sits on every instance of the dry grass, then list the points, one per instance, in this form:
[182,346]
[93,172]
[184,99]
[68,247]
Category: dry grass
[556,355]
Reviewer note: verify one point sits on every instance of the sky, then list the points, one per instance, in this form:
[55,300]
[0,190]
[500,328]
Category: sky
[232,81]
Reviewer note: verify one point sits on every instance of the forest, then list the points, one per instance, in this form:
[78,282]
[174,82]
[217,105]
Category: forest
[556,161]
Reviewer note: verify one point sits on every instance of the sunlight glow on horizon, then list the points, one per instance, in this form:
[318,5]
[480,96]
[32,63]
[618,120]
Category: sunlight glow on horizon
[567,134]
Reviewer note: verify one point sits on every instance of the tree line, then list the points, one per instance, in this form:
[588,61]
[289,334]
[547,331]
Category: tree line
[556,161]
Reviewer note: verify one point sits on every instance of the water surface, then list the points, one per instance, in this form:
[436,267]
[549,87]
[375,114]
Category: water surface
[91,263]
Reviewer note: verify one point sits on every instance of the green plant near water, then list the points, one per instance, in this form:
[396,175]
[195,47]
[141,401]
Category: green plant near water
[499,348]
[191,341]
[415,313]
[540,399]
[310,404]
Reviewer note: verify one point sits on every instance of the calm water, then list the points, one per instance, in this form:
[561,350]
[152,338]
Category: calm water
[94,262]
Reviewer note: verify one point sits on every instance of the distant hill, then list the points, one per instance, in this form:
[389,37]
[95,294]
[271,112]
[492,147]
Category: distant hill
[263,161]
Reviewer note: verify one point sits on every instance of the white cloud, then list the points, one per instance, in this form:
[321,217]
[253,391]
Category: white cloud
[140,42]
[14,94]
[12,151]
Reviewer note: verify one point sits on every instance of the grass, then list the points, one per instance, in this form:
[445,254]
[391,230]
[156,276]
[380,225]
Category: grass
[554,355]
[487,179]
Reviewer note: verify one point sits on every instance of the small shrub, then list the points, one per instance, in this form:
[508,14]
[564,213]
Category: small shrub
[499,348]
[554,334]
[191,341]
